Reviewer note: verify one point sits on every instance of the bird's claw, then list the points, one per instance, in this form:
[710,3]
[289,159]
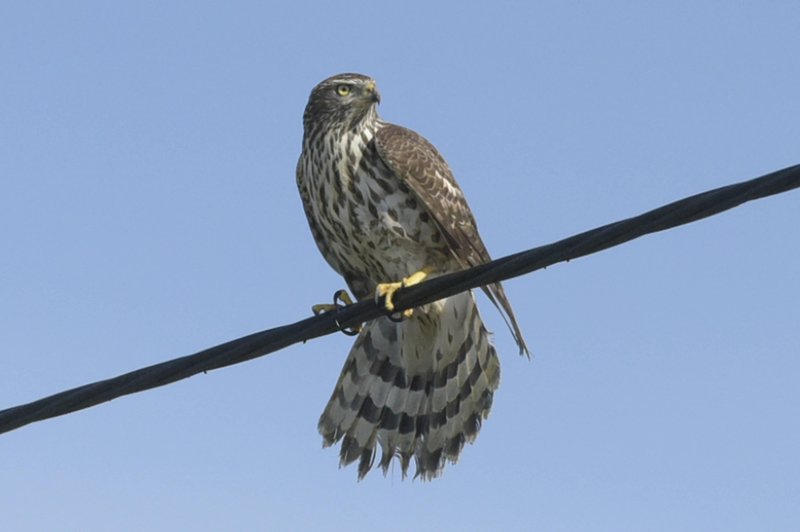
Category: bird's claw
[387,291]
[341,299]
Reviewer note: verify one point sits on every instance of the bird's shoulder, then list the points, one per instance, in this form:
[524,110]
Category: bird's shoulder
[411,155]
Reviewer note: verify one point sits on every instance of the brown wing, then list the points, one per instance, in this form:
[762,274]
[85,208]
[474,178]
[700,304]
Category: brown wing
[417,162]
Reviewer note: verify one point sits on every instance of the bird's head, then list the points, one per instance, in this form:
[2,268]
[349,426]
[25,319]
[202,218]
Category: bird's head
[343,100]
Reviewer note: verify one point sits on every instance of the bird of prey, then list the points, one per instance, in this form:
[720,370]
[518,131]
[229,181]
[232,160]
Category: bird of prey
[386,212]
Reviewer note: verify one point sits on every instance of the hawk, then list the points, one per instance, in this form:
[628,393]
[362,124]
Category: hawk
[386,212]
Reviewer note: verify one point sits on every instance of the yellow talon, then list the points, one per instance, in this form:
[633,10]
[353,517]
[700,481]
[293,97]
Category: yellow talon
[340,295]
[387,290]
[322,308]
[341,299]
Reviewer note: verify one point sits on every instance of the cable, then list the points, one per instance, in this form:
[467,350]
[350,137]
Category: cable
[261,343]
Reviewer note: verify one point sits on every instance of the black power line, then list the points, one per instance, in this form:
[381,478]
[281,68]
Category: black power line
[255,345]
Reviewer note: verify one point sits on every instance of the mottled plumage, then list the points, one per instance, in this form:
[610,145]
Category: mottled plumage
[382,204]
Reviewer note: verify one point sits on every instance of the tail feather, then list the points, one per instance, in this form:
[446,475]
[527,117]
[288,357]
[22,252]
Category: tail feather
[418,389]
[458,420]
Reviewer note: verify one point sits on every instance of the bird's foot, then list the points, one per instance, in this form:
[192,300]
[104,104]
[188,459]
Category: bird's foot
[340,296]
[387,291]
[341,299]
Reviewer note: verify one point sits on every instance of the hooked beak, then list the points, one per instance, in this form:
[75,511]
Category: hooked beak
[372,92]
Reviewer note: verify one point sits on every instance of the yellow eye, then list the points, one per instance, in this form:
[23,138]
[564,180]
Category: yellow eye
[343,90]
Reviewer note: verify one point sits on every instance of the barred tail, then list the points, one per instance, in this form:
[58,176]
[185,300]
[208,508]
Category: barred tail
[417,388]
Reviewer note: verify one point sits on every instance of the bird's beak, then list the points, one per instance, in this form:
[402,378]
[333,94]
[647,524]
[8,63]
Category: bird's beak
[372,91]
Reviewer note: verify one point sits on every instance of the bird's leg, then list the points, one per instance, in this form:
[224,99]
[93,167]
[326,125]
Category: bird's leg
[341,299]
[387,290]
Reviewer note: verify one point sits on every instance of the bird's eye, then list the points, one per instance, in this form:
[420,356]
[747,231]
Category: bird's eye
[343,90]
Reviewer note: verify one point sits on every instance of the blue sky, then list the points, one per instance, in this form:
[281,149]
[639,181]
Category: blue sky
[148,210]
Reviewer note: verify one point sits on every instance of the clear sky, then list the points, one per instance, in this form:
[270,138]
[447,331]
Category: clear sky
[148,210]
